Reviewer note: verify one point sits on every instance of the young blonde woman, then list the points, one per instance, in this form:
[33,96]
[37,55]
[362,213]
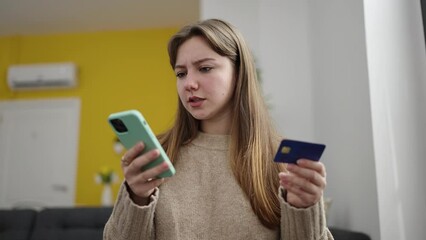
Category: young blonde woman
[222,145]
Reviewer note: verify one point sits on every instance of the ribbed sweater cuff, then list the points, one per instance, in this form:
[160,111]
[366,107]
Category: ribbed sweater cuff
[131,221]
[302,223]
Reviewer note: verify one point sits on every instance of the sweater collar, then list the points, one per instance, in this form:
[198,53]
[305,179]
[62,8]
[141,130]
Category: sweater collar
[212,141]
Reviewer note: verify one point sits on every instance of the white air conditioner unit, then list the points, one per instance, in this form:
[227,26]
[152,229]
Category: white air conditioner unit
[42,76]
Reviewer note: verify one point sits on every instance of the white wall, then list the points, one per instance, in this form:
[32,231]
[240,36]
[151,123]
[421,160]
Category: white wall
[241,13]
[397,72]
[284,45]
[342,112]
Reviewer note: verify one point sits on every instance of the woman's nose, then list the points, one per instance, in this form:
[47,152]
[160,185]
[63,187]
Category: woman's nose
[191,82]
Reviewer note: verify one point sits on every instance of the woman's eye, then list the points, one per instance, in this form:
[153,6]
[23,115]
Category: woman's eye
[180,74]
[205,69]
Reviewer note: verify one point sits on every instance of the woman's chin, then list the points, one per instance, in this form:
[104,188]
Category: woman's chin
[199,117]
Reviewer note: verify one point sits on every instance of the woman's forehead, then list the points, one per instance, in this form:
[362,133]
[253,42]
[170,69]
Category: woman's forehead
[195,50]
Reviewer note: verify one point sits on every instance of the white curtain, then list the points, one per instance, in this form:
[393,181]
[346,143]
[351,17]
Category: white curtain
[397,75]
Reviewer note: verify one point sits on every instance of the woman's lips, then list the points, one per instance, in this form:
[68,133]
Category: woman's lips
[195,101]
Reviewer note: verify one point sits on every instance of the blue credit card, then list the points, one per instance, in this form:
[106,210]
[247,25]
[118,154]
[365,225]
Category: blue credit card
[291,150]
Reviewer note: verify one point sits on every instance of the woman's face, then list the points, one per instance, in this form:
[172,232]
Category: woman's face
[205,80]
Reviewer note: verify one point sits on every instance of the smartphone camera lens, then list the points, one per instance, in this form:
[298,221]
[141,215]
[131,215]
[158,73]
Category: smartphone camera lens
[119,125]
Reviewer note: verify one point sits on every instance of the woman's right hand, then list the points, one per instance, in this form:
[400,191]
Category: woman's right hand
[141,184]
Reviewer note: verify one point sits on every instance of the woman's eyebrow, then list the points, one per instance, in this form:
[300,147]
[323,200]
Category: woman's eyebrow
[202,60]
[197,62]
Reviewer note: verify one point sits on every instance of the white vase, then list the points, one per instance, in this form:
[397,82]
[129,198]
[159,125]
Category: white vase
[106,197]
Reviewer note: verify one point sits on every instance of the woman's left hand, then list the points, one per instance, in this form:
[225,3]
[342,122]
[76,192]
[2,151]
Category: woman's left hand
[304,182]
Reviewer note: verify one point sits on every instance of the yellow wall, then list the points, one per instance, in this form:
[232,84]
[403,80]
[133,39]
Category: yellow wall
[117,71]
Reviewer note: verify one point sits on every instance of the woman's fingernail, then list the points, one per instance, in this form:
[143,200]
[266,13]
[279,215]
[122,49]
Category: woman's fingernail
[155,153]
[283,175]
[165,165]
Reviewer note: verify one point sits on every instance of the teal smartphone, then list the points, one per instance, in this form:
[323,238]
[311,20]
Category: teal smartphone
[131,127]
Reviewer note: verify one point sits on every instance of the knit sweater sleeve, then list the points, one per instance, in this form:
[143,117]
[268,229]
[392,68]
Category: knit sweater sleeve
[307,223]
[130,221]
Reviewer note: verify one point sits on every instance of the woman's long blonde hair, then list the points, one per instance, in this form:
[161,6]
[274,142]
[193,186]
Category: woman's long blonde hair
[253,138]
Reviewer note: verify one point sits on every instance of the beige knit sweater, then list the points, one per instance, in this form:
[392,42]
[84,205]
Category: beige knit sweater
[204,201]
